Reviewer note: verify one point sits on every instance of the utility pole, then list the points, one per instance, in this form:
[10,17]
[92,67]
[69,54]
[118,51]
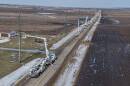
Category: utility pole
[86,20]
[19,35]
[78,25]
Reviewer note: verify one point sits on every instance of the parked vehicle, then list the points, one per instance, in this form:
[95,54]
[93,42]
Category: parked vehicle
[38,69]
[41,67]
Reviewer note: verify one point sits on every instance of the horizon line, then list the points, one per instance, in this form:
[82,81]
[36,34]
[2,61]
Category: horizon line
[67,6]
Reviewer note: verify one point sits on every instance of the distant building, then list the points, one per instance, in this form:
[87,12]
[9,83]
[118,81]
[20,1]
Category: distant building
[4,37]
[4,34]
[13,33]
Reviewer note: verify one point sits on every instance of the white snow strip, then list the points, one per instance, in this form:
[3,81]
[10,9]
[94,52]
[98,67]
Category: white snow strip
[11,78]
[4,39]
[76,32]
[91,32]
[67,38]
[69,75]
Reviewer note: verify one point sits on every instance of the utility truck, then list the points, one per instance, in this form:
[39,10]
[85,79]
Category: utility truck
[50,58]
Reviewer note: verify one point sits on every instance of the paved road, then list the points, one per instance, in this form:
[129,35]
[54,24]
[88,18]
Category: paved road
[53,69]
[22,50]
[50,74]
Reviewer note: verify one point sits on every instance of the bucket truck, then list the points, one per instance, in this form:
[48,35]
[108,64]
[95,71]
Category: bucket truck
[45,62]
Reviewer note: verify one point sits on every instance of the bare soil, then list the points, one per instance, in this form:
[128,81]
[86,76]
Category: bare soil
[107,63]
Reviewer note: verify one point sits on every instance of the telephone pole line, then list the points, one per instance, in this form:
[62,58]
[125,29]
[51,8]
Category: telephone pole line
[19,34]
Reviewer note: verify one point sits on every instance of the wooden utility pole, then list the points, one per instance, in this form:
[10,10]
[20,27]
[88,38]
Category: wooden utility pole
[19,34]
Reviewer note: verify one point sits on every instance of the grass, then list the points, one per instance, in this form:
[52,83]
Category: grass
[26,43]
[6,66]
[33,56]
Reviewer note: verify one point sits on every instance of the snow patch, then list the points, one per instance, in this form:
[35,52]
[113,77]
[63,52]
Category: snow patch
[10,79]
[69,75]
[4,39]
[67,38]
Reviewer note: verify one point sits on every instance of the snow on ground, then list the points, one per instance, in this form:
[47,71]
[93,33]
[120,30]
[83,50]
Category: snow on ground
[11,78]
[67,38]
[70,73]
[91,32]
[4,39]
[75,32]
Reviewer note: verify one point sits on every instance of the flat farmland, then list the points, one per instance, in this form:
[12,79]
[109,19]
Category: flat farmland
[107,62]
[52,26]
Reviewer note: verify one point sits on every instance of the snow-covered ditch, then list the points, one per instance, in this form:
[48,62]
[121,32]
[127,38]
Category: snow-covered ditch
[91,32]
[68,77]
[67,38]
[72,34]
[10,79]
[75,32]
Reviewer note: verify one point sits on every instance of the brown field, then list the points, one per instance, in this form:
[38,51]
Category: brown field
[53,27]
[107,63]
[32,21]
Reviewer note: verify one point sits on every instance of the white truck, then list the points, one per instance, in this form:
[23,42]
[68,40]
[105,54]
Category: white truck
[36,70]
[42,65]
[51,59]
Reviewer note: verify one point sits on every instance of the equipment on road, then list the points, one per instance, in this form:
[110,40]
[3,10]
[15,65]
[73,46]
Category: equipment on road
[38,69]
[45,62]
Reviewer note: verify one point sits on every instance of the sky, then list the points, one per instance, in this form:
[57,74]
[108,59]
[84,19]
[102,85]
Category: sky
[72,3]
